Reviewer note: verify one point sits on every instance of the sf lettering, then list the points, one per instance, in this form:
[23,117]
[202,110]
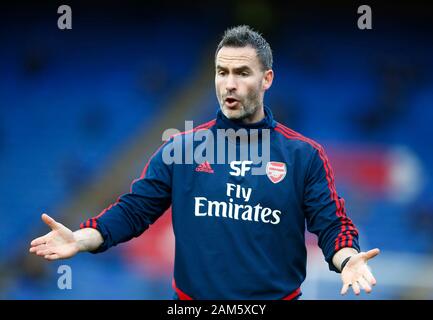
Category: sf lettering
[240,168]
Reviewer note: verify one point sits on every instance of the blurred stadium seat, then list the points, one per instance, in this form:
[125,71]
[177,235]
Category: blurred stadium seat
[70,103]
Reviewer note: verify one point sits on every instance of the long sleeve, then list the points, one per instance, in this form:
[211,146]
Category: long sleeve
[131,215]
[325,211]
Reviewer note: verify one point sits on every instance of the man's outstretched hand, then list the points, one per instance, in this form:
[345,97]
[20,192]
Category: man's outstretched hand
[60,243]
[357,274]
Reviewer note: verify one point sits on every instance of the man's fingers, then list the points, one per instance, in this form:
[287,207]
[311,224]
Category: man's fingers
[345,288]
[364,285]
[50,221]
[53,256]
[44,252]
[38,241]
[355,287]
[38,248]
[372,253]
[369,277]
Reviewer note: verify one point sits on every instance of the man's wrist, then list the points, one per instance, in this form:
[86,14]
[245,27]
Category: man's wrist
[88,239]
[341,255]
[345,261]
[79,241]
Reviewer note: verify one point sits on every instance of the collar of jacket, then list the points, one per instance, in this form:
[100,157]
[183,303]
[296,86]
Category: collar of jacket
[268,122]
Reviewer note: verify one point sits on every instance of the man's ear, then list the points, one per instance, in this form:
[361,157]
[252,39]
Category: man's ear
[267,79]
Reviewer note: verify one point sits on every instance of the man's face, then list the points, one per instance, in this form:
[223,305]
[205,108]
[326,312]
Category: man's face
[240,82]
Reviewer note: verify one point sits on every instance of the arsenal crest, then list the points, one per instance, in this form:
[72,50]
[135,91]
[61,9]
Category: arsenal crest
[276,171]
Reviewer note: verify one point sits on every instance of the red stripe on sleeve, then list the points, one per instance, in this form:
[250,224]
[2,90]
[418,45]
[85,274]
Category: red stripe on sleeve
[340,209]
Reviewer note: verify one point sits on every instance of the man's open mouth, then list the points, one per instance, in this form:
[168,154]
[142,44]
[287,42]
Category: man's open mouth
[231,100]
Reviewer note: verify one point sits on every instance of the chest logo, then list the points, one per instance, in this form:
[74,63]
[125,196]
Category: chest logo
[204,167]
[276,171]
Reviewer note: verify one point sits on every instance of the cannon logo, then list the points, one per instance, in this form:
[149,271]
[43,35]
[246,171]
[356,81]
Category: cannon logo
[276,171]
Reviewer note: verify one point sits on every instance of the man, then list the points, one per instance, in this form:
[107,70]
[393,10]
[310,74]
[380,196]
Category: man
[238,235]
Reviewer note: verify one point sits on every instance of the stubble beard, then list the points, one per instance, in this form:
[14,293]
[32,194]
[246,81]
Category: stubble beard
[248,107]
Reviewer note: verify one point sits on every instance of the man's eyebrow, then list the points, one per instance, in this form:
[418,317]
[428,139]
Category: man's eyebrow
[220,67]
[237,69]
[242,68]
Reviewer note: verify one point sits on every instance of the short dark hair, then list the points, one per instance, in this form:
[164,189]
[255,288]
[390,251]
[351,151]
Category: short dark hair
[242,36]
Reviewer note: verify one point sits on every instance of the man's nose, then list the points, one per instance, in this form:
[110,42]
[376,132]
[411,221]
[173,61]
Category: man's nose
[231,83]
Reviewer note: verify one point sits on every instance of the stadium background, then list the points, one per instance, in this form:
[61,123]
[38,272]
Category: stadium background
[82,110]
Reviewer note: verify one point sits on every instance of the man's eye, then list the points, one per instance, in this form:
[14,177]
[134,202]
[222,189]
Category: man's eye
[245,74]
[221,73]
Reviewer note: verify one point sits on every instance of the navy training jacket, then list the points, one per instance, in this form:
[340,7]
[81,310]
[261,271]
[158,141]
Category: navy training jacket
[238,235]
